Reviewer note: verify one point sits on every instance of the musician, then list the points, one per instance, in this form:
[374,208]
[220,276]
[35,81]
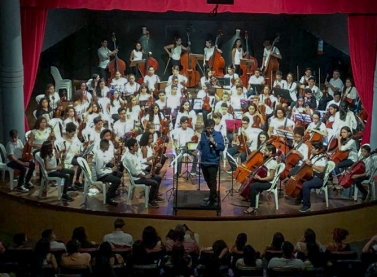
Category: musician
[261,139]
[182,80]
[104,55]
[151,79]
[210,145]
[73,147]
[93,82]
[143,94]
[299,148]
[359,178]
[279,82]
[349,92]
[13,160]
[102,166]
[225,99]
[256,118]
[133,110]
[96,130]
[263,183]
[318,162]
[50,155]
[175,82]
[220,125]
[300,107]
[267,98]
[335,84]
[70,116]
[305,78]
[155,116]
[268,51]
[231,75]
[329,118]
[80,103]
[346,143]
[237,55]
[136,55]
[118,82]
[148,152]
[335,101]
[106,134]
[115,103]
[316,92]
[185,110]
[280,121]
[132,161]
[40,133]
[181,136]
[262,107]
[207,77]
[309,99]
[44,109]
[292,87]
[175,51]
[236,98]
[344,117]
[52,96]
[209,50]
[316,124]
[84,91]
[123,125]
[131,87]
[256,79]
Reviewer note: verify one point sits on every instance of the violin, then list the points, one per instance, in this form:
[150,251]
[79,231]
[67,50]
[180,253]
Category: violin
[345,180]
[188,65]
[217,63]
[116,64]
[250,64]
[59,110]
[206,105]
[82,126]
[164,127]
[268,102]
[256,121]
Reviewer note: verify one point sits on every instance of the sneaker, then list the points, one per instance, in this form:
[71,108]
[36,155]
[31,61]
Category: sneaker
[67,198]
[22,188]
[159,199]
[153,204]
[304,209]
[29,185]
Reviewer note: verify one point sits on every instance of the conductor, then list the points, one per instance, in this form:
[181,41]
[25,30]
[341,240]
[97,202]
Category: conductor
[210,145]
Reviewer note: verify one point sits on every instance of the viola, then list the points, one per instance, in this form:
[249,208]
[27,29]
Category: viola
[217,63]
[250,64]
[294,183]
[206,105]
[116,64]
[272,64]
[164,127]
[268,102]
[188,66]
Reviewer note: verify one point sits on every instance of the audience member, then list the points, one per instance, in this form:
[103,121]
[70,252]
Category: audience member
[152,242]
[339,235]
[249,259]
[239,244]
[179,236]
[50,235]
[179,262]
[118,238]
[79,234]
[73,257]
[43,258]
[310,250]
[105,260]
[288,260]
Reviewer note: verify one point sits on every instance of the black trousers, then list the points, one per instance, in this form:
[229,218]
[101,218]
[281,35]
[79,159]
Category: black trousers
[114,179]
[79,170]
[23,169]
[358,184]
[65,173]
[210,176]
[153,183]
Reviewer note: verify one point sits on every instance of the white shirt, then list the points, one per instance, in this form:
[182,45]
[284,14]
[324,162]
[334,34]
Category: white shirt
[118,84]
[102,56]
[304,151]
[351,93]
[283,84]
[191,114]
[266,53]
[138,55]
[119,238]
[350,121]
[181,79]
[151,81]
[332,102]
[14,149]
[238,54]
[133,163]
[100,160]
[72,147]
[351,147]
[292,87]
[54,99]
[120,128]
[275,123]
[183,136]
[131,89]
[208,52]
[254,80]
[176,52]
[338,83]
[317,93]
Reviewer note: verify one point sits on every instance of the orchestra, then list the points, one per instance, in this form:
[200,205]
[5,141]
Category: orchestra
[125,118]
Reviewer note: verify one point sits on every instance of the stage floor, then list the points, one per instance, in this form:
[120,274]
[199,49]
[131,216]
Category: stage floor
[231,206]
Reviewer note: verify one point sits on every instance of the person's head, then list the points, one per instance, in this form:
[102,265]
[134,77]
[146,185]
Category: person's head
[73,246]
[104,42]
[365,150]
[241,241]
[19,239]
[316,116]
[150,237]
[239,89]
[262,137]
[270,150]
[119,223]
[257,72]
[42,248]
[317,147]
[143,89]
[343,106]
[79,234]
[224,108]
[105,134]
[48,234]
[336,74]
[151,70]
[117,74]
[280,112]
[245,122]
[333,108]
[345,132]
[256,100]
[43,103]
[308,72]
[47,149]
[132,145]
[151,127]
[249,255]
[289,77]
[13,135]
[308,93]
[175,69]
[41,123]
[209,126]
[300,101]
[98,122]
[298,133]
[309,236]
[146,138]
[277,240]
[287,249]
[70,112]
[131,78]
[122,112]
[50,89]
[279,75]
[179,232]
[230,70]
[104,145]
[217,117]
[218,246]
[184,122]
[162,95]
[185,106]
[226,97]
[138,46]
[267,44]
[237,43]
[336,96]
[266,90]
[311,81]
[339,234]
[208,43]
[349,82]
[105,250]
[93,107]
[252,108]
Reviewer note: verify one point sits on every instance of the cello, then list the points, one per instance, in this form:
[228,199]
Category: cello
[116,64]
[271,63]
[188,65]
[217,63]
[250,64]
[149,61]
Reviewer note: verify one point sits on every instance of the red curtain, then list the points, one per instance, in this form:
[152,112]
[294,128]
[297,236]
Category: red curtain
[200,6]
[362,38]
[33,23]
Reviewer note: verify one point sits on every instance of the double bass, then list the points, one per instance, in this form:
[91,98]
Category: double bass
[271,63]
[116,64]
[249,64]
[217,63]
[189,66]
[149,61]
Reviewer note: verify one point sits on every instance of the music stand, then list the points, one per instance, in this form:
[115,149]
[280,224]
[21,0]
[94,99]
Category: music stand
[238,114]
[285,134]
[224,82]
[257,88]
[283,93]
[302,117]
[137,63]
[197,104]
[198,57]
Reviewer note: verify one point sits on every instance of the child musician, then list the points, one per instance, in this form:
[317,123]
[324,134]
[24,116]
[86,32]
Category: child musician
[299,148]
[346,143]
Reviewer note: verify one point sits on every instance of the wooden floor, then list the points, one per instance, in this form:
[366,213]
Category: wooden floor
[232,206]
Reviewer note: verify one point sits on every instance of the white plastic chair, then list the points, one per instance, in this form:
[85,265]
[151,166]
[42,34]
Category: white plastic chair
[39,97]
[35,114]
[61,83]
[369,182]
[4,167]
[324,188]
[46,179]
[273,189]
[57,126]
[88,179]
[132,186]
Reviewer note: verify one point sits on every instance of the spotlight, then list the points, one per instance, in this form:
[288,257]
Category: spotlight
[238,31]
[144,29]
